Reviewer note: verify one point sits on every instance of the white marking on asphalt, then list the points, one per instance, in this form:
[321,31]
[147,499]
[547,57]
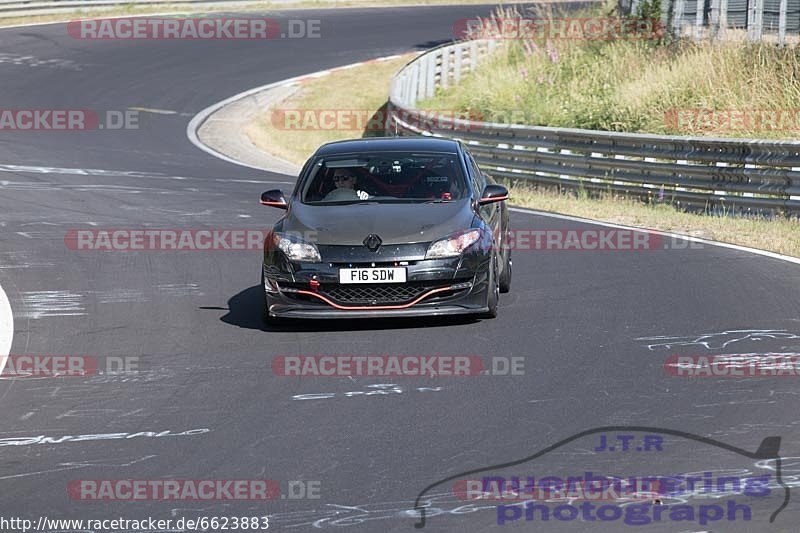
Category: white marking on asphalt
[85,413]
[717,340]
[14,476]
[773,255]
[6,328]
[379,389]
[38,304]
[73,466]
[22,259]
[115,296]
[42,439]
[33,169]
[27,185]
[156,111]
[34,62]
[257,182]
[198,120]
[179,289]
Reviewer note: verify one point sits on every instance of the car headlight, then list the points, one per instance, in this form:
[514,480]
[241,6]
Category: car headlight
[296,249]
[454,245]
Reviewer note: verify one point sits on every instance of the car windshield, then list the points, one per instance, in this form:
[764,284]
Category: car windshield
[391,177]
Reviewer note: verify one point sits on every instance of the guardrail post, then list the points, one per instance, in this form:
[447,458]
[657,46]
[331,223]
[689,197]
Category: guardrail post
[444,77]
[394,85]
[666,9]
[430,77]
[713,18]
[755,18]
[782,24]
[677,18]
[793,190]
[423,77]
[457,66]
[698,20]
[723,18]
[473,55]
[413,94]
[718,19]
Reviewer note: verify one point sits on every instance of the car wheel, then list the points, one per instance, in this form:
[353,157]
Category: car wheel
[505,277]
[494,291]
[268,320]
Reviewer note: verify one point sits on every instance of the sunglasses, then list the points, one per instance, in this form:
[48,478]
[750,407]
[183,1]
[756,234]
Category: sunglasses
[342,178]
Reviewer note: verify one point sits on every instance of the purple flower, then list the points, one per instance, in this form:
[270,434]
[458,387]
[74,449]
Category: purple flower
[552,53]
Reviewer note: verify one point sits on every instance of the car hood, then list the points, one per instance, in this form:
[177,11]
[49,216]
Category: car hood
[350,224]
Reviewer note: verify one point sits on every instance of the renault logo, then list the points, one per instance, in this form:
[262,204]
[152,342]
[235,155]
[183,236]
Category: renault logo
[372,242]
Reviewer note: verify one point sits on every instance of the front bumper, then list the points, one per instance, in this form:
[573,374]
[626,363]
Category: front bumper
[433,287]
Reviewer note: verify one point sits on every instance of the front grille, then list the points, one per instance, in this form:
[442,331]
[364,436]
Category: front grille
[399,293]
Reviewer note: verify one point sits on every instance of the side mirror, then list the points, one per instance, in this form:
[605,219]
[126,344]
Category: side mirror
[274,198]
[493,193]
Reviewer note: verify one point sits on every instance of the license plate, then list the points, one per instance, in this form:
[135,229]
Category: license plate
[372,275]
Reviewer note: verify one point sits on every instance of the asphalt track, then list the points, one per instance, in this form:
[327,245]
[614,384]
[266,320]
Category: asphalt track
[192,318]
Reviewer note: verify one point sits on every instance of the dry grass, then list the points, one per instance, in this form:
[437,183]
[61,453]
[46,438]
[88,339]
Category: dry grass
[636,86]
[361,89]
[779,235]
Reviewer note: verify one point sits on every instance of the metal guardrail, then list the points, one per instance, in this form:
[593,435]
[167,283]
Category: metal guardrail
[768,20]
[699,172]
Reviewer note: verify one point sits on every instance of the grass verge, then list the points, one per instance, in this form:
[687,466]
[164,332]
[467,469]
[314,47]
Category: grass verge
[365,87]
[359,91]
[646,85]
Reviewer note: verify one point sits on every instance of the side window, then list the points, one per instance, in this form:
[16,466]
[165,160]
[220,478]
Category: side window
[478,181]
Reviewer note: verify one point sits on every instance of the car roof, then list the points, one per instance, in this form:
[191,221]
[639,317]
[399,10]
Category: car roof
[389,144]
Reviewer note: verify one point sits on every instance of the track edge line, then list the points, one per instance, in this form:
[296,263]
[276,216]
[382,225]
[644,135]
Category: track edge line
[6,329]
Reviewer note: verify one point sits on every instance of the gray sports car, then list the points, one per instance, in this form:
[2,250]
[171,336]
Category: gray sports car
[387,227]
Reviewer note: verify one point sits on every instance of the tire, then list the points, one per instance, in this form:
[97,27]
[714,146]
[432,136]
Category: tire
[505,277]
[494,291]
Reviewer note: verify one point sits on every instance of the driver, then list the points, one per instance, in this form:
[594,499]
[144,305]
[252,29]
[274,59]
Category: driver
[344,181]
